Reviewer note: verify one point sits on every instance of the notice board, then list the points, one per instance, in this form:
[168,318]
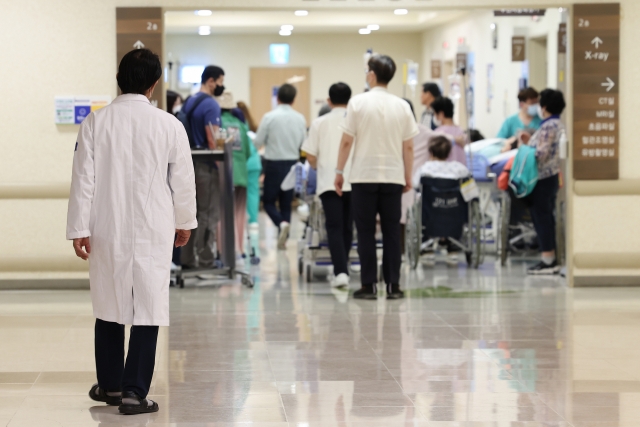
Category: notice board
[140,27]
[596,89]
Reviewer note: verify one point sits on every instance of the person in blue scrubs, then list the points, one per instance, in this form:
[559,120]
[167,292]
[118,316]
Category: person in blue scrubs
[526,120]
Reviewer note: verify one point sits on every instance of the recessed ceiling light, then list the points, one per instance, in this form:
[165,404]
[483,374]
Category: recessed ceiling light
[285,33]
[401,11]
[203,12]
[364,31]
[301,12]
[287,27]
[373,27]
[204,30]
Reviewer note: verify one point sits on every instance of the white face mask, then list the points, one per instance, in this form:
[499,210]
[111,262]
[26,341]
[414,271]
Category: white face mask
[540,112]
[532,110]
[176,108]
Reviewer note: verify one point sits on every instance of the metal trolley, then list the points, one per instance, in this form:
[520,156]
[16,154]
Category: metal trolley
[228,256]
[441,212]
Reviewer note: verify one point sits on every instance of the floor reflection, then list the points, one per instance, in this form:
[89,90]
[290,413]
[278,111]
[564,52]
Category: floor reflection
[467,349]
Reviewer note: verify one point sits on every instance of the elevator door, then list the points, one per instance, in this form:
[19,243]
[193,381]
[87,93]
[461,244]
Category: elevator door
[265,83]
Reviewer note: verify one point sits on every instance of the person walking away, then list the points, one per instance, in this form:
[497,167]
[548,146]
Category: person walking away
[381,128]
[526,120]
[237,131]
[322,147]
[430,92]
[124,223]
[205,123]
[542,200]
[282,132]
[444,110]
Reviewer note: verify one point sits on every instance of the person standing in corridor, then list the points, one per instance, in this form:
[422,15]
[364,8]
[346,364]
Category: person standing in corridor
[383,127]
[282,132]
[132,189]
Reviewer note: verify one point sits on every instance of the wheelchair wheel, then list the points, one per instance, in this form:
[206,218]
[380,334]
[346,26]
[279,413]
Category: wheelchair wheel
[413,237]
[475,230]
[505,218]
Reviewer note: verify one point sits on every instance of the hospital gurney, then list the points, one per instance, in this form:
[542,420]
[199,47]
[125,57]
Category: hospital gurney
[227,252]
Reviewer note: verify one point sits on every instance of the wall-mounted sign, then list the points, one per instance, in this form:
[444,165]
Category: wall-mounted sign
[518,49]
[562,38]
[461,61]
[137,28]
[436,69]
[279,53]
[519,12]
[72,110]
[596,88]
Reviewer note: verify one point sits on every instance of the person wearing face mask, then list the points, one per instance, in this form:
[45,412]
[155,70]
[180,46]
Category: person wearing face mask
[443,109]
[174,102]
[132,188]
[204,112]
[526,120]
[380,127]
[542,200]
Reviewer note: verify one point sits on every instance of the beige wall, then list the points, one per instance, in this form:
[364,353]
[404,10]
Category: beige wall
[475,30]
[331,57]
[62,47]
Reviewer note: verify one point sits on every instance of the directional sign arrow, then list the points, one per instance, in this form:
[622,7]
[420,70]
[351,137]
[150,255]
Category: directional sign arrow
[138,45]
[609,84]
[597,42]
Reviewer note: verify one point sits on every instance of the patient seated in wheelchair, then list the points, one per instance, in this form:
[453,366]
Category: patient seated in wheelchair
[439,168]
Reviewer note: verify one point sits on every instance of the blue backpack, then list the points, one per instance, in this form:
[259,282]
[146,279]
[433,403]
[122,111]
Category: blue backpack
[524,173]
[185,117]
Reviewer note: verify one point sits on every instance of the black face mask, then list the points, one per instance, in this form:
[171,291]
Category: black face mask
[219,90]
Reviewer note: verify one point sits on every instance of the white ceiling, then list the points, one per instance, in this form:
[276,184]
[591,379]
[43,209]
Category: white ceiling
[318,21]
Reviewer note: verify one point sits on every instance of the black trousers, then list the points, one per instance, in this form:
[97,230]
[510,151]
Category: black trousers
[542,204]
[113,374]
[368,201]
[339,223]
[275,172]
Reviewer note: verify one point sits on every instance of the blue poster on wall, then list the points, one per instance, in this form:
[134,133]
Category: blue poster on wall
[81,113]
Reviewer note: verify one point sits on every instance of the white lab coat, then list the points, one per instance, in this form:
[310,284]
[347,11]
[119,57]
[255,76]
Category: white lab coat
[133,185]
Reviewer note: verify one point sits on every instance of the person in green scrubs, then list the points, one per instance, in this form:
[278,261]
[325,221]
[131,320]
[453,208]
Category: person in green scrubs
[237,134]
[526,120]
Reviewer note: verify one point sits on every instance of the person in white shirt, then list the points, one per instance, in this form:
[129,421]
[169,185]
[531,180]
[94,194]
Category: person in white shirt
[381,127]
[322,147]
[439,166]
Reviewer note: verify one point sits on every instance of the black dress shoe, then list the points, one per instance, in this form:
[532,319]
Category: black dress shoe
[99,395]
[132,404]
[366,292]
[394,292]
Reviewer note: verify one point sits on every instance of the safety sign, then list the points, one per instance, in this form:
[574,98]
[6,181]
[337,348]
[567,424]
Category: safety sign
[72,110]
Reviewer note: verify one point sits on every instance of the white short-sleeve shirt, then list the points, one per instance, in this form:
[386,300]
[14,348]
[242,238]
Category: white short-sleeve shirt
[380,122]
[323,142]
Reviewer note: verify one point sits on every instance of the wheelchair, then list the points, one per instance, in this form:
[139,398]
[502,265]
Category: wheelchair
[440,212]
[517,235]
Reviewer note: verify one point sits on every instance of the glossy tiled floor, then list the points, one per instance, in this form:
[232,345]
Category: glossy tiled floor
[489,348]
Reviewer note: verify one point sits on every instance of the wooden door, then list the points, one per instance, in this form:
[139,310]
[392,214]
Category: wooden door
[265,83]
[537,56]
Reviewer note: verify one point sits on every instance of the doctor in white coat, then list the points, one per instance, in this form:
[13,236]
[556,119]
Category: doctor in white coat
[132,189]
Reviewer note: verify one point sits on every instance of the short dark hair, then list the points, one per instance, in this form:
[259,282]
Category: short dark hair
[443,105]
[526,94]
[138,71]
[287,93]
[440,147]
[408,101]
[553,101]
[433,89]
[340,93]
[211,72]
[383,67]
